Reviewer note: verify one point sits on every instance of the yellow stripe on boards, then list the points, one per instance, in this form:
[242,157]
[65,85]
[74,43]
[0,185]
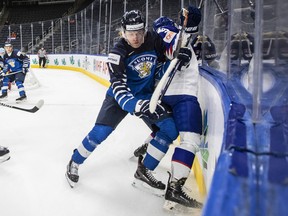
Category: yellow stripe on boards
[102,81]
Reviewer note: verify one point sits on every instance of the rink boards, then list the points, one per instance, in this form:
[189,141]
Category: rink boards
[240,176]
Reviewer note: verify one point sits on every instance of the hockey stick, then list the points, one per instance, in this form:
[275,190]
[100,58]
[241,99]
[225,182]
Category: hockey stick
[32,110]
[9,74]
[158,92]
[201,4]
[219,7]
[16,72]
[163,84]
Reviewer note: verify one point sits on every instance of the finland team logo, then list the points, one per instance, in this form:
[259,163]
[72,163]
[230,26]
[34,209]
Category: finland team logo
[143,65]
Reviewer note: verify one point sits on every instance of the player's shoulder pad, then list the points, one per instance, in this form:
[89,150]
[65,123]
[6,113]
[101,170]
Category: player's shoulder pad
[119,50]
[18,53]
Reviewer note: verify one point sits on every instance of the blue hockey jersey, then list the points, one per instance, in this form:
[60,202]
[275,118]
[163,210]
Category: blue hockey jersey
[15,61]
[132,71]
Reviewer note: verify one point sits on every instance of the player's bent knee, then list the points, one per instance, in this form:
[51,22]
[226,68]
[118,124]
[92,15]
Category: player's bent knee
[98,134]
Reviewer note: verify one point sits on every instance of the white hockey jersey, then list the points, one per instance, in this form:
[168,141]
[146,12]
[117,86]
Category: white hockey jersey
[185,82]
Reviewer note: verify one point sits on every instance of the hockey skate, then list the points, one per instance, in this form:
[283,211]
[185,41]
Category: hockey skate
[4,96]
[145,181]
[72,173]
[21,99]
[176,199]
[141,150]
[4,154]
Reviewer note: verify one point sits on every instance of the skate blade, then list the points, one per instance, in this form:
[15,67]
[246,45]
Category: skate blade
[22,101]
[147,188]
[3,99]
[4,158]
[71,183]
[133,159]
[176,208]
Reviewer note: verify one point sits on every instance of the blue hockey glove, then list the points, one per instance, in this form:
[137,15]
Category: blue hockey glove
[194,18]
[184,56]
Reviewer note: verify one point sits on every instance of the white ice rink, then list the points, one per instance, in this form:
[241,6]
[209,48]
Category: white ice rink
[32,182]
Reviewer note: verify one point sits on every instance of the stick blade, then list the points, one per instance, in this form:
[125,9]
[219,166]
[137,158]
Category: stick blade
[40,104]
[37,106]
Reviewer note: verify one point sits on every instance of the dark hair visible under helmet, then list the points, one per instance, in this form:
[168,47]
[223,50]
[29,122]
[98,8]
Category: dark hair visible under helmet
[132,21]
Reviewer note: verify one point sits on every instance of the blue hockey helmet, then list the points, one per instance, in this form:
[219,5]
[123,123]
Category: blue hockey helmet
[132,21]
[162,21]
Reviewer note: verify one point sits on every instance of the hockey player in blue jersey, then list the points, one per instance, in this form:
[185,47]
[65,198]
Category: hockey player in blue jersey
[4,154]
[2,52]
[182,97]
[132,66]
[16,64]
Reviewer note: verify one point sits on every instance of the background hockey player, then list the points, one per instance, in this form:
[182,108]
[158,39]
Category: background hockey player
[132,66]
[2,52]
[16,65]
[4,154]
[182,97]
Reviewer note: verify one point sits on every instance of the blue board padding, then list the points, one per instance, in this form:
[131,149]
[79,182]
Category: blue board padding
[251,175]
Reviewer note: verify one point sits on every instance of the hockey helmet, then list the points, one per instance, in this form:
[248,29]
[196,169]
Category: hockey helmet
[132,21]
[8,45]
[162,21]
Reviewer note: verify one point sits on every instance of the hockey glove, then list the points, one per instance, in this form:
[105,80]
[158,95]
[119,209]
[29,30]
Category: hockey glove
[194,18]
[159,111]
[3,73]
[142,110]
[184,56]
[197,46]
[204,43]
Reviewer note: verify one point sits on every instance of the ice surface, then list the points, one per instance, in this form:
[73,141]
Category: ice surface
[32,182]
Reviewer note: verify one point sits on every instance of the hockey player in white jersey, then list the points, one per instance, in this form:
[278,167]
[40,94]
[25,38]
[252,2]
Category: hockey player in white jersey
[182,97]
